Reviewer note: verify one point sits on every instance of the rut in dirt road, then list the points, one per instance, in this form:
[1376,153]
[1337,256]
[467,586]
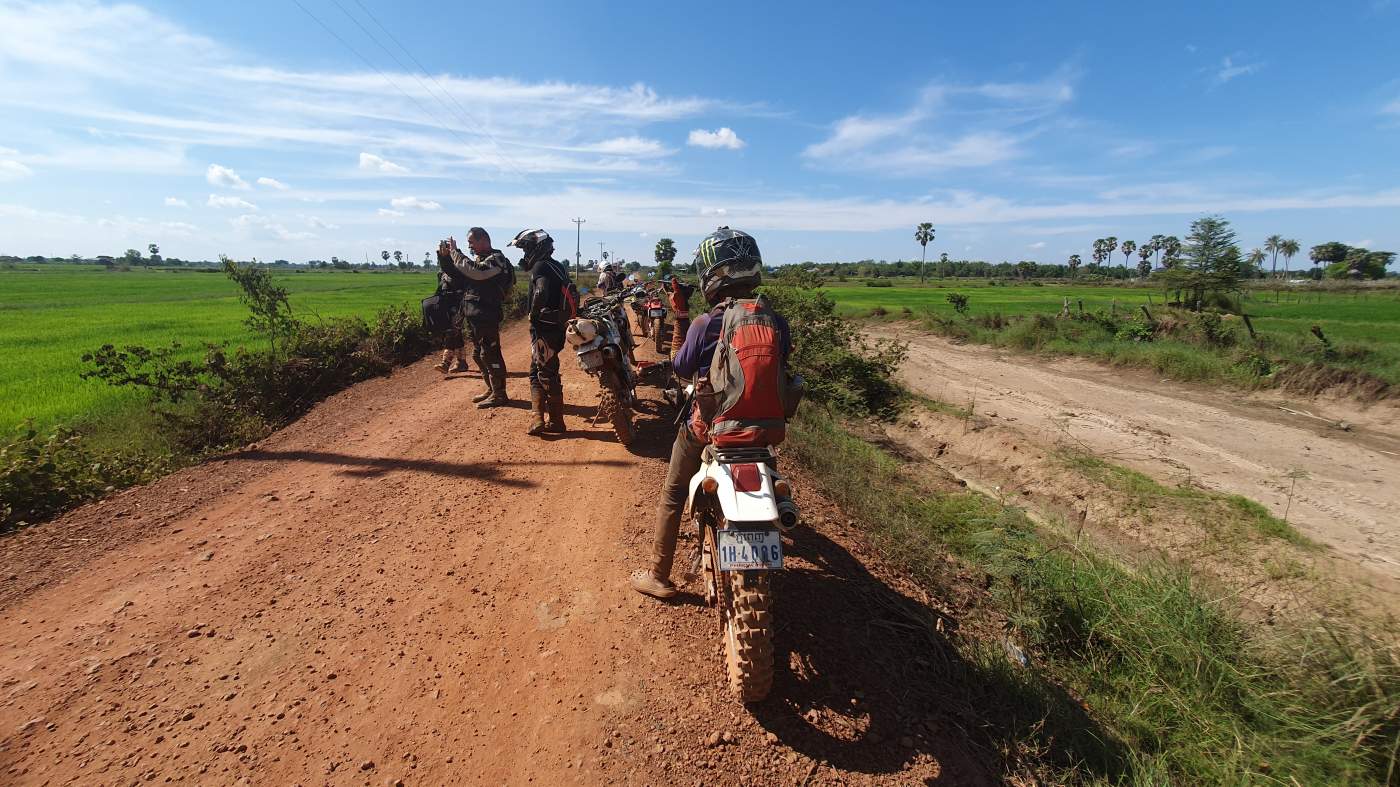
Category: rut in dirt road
[400,586]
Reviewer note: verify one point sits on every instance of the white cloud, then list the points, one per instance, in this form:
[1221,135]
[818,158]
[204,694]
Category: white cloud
[1365,244]
[13,170]
[273,183]
[387,212]
[372,163]
[714,212]
[218,201]
[948,126]
[1393,108]
[321,224]
[1229,69]
[175,202]
[179,228]
[407,203]
[722,137]
[263,226]
[223,176]
[1037,245]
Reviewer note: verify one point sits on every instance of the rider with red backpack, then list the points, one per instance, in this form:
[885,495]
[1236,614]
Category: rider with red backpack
[553,302]
[736,354]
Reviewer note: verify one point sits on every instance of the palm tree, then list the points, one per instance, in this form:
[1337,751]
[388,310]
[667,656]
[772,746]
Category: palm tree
[1074,264]
[1127,248]
[398,257]
[1110,244]
[1144,255]
[1288,248]
[1171,251]
[385,255]
[1099,251]
[1273,244]
[923,234]
[1157,243]
[1256,260]
[943,265]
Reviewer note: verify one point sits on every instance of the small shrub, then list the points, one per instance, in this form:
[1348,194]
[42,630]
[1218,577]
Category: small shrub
[994,321]
[878,283]
[44,474]
[1213,329]
[1256,365]
[959,302]
[879,311]
[1134,331]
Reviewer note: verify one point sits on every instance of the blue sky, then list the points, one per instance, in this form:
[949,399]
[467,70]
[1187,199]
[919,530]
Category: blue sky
[1021,130]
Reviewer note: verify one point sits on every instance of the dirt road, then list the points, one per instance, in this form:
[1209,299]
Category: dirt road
[1346,495]
[401,587]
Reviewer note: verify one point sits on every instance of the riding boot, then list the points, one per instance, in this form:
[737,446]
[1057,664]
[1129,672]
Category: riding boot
[537,408]
[498,396]
[487,390]
[556,408]
[441,366]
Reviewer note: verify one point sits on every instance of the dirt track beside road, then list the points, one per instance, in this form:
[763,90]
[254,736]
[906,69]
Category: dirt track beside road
[1245,444]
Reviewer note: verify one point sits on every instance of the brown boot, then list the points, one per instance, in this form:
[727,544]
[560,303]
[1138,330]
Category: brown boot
[498,396]
[441,366]
[555,409]
[537,407]
[486,392]
[460,365]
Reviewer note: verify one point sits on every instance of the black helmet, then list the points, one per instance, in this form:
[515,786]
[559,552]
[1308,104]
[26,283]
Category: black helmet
[536,245]
[729,264]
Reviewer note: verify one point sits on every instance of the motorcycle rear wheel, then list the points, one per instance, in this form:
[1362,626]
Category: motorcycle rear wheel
[619,415]
[660,330]
[748,635]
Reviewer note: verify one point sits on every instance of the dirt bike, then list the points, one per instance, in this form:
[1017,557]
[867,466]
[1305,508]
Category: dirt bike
[603,343]
[742,506]
[654,317]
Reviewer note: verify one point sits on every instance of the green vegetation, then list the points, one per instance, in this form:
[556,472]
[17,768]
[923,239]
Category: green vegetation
[191,398]
[1359,347]
[1182,692]
[50,315]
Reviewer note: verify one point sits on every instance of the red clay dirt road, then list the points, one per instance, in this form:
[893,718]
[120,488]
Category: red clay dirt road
[402,588]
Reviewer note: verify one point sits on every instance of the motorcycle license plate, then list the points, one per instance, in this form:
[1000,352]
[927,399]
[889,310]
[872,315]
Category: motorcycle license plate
[741,550]
[657,312]
[590,360]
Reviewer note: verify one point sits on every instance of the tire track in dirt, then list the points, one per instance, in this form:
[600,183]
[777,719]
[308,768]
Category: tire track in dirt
[1244,444]
[401,587]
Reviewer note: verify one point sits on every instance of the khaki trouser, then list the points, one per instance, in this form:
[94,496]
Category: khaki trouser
[685,461]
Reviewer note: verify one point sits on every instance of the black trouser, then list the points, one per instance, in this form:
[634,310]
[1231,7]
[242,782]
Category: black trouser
[452,337]
[485,337]
[545,343]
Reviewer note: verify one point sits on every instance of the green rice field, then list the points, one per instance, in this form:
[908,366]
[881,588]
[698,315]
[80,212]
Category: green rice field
[51,314]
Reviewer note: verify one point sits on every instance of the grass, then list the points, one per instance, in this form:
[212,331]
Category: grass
[51,314]
[1364,326]
[1221,511]
[1183,692]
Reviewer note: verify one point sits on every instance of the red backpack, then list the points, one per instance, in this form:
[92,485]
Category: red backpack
[748,378]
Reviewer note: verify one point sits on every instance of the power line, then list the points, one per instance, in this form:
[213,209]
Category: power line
[480,129]
[384,76]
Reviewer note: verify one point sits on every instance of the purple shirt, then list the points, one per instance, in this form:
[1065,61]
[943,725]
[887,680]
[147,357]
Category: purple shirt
[698,349]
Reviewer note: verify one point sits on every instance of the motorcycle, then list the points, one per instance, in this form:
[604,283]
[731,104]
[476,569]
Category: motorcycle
[655,320]
[742,507]
[603,344]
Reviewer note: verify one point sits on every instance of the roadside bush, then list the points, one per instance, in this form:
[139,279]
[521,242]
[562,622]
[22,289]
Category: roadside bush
[879,311]
[44,474]
[959,302]
[1213,330]
[994,321]
[842,370]
[1134,331]
[879,283]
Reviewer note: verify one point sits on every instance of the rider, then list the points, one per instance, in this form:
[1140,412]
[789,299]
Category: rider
[730,267]
[551,306]
[607,279]
[485,281]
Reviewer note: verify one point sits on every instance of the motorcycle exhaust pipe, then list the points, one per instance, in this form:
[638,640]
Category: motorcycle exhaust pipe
[788,515]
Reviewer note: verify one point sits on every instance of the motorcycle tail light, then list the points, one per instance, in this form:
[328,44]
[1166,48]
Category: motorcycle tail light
[782,488]
[746,478]
[709,485]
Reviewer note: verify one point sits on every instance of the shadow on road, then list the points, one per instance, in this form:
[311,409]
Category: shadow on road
[371,467]
[854,655]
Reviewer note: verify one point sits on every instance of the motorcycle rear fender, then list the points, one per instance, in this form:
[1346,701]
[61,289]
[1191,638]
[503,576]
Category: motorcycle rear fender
[759,506]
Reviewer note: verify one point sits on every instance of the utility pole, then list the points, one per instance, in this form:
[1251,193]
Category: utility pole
[602,254]
[578,237]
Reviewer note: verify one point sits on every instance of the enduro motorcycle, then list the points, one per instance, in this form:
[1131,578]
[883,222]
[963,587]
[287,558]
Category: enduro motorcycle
[636,298]
[603,343]
[742,507]
[654,318]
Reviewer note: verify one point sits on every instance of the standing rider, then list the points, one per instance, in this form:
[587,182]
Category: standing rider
[552,304]
[485,282]
[730,267]
[607,279]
